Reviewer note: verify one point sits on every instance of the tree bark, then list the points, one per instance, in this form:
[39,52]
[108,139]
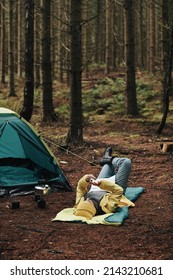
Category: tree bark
[48,110]
[19,65]
[131,100]
[3,39]
[29,62]
[167,89]
[167,59]
[75,133]
[11,49]
[109,37]
[37,45]
[151,58]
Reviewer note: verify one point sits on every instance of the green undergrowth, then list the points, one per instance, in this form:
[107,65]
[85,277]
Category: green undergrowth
[102,101]
[107,99]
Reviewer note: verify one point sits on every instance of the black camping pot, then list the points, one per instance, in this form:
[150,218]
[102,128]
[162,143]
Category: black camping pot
[41,203]
[15,204]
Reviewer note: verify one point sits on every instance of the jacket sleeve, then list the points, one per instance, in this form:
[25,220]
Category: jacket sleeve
[111,200]
[81,189]
[111,187]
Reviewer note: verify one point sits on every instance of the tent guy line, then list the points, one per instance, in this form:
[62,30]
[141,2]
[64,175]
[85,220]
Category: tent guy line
[69,152]
[72,153]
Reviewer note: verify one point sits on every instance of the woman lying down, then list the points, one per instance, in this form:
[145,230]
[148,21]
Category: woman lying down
[96,196]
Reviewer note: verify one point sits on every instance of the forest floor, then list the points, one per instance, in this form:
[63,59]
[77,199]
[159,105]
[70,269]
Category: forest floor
[28,233]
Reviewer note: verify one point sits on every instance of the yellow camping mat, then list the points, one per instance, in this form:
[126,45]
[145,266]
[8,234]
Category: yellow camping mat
[117,218]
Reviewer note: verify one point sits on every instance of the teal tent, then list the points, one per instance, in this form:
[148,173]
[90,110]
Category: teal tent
[25,159]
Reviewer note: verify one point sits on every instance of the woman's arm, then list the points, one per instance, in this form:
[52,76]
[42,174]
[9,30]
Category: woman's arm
[83,186]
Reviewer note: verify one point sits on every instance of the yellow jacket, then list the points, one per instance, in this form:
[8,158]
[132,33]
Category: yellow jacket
[110,201]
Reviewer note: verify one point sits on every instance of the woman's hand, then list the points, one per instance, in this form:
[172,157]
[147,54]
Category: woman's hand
[95,182]
[86,181]
[92,180]
[89,178]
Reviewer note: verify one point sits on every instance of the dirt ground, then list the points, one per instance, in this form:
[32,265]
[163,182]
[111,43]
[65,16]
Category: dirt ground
[28,233]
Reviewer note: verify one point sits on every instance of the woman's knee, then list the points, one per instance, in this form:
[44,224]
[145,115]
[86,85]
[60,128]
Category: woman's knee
[127,164]
[117,162]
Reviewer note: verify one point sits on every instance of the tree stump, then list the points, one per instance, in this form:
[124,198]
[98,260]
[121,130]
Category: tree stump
[167,147]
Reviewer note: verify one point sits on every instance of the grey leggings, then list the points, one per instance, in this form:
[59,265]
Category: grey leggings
[118,171]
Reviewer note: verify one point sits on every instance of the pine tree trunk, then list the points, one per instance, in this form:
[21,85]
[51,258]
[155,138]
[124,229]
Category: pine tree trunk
[37,48]
[167,59]
[11,49]
[131,105]
[53,35]
[98,33]
[48,110]
[167,86]
[16,30]
[19,65]
[119,35]
[1,23]
[29,62]
[109,37]
[151,36]
[59,43]
[75,133]
[139,43]
[3,39]
[85,39]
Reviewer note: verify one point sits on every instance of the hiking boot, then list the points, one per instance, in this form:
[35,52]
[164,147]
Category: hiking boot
[108,152]
[107,157]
